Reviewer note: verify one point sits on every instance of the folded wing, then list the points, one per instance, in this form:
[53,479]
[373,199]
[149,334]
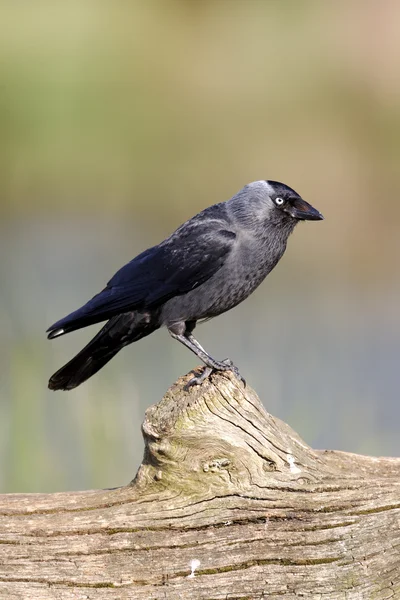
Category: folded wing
[184,261]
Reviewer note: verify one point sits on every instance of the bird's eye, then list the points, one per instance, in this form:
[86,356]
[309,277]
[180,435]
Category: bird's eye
[279,201]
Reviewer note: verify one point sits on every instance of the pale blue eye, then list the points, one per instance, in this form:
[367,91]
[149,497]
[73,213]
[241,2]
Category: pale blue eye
[279,201]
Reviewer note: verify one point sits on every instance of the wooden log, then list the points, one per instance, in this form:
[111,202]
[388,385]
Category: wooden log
[228,504]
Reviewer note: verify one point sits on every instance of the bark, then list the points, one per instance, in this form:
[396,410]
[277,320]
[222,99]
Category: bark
[228,504]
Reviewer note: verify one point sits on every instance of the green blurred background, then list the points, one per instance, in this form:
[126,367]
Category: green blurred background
[118,121]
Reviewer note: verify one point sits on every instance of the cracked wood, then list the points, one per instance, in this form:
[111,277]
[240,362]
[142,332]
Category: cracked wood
[228,504]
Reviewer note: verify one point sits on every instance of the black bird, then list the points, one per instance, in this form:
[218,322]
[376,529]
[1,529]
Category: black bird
[207,266]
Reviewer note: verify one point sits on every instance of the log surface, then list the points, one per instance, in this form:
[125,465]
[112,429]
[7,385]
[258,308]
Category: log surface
[228,504]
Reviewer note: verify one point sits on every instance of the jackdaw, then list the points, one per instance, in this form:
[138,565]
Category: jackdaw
[207,266]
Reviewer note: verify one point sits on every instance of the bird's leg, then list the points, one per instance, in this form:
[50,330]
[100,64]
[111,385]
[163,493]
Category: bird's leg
[212,365]
[190,342]
[187,339]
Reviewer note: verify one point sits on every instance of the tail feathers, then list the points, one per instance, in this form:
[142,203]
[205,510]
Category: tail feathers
[116,333]
[85,364]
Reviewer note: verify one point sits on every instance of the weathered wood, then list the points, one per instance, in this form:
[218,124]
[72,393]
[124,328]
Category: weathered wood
[228,504]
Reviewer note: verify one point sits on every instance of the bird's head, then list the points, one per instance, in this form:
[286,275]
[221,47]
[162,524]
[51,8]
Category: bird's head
[266,202]
[286,204]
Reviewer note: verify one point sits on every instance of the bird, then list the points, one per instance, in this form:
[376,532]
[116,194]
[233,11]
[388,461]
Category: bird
[210,264]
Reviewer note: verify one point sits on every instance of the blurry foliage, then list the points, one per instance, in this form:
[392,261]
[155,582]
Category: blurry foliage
[105,104]
[118,120]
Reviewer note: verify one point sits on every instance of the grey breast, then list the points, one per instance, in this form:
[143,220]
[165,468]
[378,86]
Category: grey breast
[246,267]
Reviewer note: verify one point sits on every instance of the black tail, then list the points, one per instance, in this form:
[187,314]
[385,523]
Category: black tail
[117,333]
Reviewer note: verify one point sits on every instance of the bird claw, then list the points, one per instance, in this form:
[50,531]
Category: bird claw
[234,369]
[240,377]
[225,365]
[198,379]
[236,372]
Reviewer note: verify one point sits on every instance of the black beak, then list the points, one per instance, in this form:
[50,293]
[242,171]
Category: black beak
[300,209]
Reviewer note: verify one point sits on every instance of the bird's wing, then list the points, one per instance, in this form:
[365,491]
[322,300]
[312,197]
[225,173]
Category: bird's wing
[192,255]
[183,262]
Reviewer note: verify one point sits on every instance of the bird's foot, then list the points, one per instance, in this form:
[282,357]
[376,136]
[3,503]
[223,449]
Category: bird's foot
[224,365]
[229,366]
[198,379]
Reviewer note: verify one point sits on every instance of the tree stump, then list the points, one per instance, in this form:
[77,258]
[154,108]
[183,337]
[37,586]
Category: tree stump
[228,504]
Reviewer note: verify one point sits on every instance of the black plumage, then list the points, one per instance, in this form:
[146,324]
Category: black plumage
[208,265]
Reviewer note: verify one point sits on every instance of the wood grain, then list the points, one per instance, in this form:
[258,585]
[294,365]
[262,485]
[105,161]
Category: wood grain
[228,504]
